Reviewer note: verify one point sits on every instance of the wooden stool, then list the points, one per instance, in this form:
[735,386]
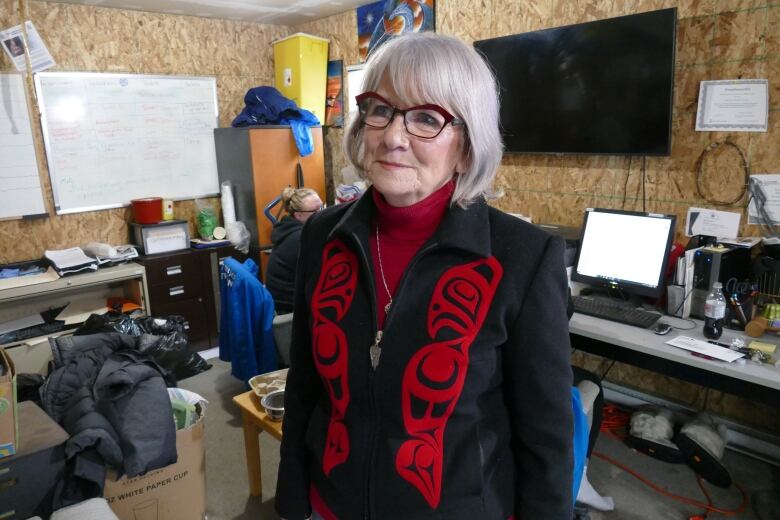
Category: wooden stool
[255,421]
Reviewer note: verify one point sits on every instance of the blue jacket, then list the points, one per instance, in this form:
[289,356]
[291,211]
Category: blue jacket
[267,106]
[245,335]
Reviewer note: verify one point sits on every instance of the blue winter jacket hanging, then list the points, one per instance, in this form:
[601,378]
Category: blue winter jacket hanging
[247,312]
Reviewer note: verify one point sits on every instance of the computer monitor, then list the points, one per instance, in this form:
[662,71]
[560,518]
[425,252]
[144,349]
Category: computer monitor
[624,250]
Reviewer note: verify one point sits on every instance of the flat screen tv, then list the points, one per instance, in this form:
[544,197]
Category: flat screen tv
[603,87]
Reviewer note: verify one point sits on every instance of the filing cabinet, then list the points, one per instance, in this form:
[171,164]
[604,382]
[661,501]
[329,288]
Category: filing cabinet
[186,283]
[178,285]
[28,478]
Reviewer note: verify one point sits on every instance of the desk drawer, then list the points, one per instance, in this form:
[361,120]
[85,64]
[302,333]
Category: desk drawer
[27,484]
[174,291]
[173,268]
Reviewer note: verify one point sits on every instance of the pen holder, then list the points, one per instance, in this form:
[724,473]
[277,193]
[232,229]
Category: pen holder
[738,314]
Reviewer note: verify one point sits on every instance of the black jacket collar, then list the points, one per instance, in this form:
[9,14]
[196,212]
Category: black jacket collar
[465,229]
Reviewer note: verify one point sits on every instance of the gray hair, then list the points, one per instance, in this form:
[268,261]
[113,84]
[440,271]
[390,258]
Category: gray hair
[434,68]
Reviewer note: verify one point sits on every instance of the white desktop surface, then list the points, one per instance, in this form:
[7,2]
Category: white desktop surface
[647,342]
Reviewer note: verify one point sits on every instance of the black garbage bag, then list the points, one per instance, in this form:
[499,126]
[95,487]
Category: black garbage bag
[161,326]
[111,321]
[171,352]
[166,343]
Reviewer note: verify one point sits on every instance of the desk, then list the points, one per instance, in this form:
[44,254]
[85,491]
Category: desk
[32,355]
[644,349]
[29,478]
[255,421]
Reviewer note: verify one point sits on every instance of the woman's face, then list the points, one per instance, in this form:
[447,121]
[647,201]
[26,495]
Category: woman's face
[14,47]
[309,206]
[404,168]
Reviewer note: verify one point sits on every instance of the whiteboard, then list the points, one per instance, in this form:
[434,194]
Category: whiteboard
[111,138]
[20,184]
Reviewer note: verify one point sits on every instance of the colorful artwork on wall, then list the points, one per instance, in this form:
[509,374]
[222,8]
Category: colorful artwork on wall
[334,94]
[382,20]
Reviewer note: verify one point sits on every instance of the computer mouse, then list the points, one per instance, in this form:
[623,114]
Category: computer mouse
[662,328]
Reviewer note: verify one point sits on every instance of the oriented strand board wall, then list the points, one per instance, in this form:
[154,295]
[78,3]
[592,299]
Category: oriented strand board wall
[717,39]
[94,39]
[341,31]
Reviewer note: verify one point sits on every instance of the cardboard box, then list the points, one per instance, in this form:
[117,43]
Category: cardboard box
[9,417]
[175,492]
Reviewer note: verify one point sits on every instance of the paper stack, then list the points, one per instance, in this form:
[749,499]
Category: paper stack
[69,261]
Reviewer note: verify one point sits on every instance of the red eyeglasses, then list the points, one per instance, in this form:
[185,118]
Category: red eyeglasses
[425,121]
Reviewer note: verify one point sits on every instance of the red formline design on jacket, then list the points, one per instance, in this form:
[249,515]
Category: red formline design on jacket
[433,379]
[330,301]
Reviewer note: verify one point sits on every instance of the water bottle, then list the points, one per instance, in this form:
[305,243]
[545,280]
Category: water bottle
[714,312]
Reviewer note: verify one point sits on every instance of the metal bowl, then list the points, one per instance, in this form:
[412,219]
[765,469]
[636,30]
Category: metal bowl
[274,405]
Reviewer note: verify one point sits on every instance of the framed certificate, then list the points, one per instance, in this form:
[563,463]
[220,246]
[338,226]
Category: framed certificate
[733,105]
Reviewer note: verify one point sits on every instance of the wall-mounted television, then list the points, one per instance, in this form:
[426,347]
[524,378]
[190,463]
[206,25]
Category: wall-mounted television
[604,87]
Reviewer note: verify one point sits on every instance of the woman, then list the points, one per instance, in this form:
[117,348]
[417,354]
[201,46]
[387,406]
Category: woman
[15,46]
[298,204]
[430,372]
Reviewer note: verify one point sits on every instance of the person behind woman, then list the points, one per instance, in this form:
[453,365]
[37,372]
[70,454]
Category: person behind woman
[430,363]
[298,204]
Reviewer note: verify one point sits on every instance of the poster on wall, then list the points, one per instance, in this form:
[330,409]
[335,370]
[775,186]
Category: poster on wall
[13,45]
[380,21]
[334,94]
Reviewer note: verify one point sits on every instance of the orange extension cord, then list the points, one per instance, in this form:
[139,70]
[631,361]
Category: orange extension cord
[615,422]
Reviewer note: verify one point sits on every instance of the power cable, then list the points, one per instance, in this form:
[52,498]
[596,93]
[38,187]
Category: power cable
[699,173]
[615,420]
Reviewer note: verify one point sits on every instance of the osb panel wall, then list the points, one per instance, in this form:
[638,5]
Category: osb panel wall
[716,39]
[93,39]
[341,32]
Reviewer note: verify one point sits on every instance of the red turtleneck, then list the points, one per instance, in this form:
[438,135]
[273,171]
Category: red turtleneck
[402,231]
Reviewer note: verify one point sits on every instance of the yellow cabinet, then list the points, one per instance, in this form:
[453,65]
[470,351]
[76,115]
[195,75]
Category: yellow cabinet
[301,71]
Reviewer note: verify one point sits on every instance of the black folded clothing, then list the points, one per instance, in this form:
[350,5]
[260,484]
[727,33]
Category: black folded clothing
[24,268]
[32,332]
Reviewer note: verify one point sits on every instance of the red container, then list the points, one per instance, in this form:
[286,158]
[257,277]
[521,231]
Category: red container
[148,210]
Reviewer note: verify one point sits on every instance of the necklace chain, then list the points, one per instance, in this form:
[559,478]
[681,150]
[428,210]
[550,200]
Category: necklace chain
[382,272]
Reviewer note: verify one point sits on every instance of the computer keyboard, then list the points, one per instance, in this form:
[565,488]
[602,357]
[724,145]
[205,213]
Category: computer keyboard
[609,311]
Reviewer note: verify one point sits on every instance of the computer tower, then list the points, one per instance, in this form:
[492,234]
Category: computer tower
[727,265]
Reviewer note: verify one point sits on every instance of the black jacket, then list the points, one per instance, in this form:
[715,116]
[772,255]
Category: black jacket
[280,272]
[113,402]
[468,412]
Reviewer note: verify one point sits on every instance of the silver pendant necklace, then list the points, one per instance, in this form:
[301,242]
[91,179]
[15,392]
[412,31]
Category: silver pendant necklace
[382,272]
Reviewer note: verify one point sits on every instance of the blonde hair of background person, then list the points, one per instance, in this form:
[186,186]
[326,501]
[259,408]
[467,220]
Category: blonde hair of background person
[466,88]
[294,202]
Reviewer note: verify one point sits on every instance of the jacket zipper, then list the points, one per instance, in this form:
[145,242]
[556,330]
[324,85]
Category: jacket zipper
[375,353]
[378,334]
